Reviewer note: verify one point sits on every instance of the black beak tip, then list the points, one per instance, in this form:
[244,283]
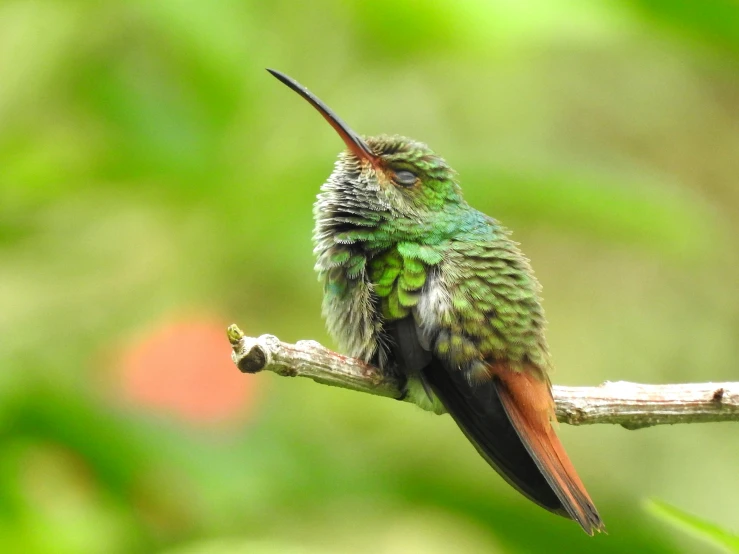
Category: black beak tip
[289,81]
[351,139]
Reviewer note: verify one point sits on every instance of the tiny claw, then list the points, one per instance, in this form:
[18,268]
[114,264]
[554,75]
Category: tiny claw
[234,335]
[404,392]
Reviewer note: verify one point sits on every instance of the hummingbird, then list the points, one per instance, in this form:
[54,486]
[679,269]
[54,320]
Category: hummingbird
[419,283]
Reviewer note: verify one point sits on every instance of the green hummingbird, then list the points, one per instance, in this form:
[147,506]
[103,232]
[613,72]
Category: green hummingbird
[419,283]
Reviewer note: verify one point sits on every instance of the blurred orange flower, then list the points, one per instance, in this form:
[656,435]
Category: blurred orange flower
[184,368]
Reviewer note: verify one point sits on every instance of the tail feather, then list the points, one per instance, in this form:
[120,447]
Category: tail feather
[528,404]
[480,414]
[508,419]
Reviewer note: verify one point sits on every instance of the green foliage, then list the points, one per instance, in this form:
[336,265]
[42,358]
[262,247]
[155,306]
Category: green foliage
[151,170]
[695,526]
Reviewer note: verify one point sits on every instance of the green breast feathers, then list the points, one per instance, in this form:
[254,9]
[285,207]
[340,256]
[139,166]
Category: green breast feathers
[398,276]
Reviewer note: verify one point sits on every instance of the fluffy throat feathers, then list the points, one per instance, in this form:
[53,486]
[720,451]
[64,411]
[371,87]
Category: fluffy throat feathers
[405,193]
[403,179]
[387,217]
[363,238]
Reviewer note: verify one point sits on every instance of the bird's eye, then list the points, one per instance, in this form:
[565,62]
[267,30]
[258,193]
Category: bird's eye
[405,178]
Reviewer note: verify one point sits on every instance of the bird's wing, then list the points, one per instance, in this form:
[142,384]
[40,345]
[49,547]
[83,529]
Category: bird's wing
[483,335]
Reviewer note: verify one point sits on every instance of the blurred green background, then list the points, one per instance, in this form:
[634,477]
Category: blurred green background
[156,184]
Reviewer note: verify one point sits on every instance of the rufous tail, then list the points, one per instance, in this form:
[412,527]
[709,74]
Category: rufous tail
[509,418]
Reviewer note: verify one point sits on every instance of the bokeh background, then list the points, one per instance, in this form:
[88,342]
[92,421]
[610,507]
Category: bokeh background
[156,184]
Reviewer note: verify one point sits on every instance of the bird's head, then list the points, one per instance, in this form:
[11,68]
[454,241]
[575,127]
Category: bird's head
[392,174]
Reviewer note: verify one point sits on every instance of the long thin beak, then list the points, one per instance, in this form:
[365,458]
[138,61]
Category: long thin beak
[352,140]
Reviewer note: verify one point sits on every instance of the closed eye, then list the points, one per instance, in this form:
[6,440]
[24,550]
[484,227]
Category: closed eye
[405,178]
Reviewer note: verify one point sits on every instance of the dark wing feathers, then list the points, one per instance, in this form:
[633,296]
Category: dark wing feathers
[504,419]
[481,415]
[530,409]
[408,352]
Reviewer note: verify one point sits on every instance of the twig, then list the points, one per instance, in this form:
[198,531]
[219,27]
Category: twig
[631,405]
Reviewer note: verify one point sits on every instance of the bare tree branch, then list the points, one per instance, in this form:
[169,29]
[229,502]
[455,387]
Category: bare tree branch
[630,405]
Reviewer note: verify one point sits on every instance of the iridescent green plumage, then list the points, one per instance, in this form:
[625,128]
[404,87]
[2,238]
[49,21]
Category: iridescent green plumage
[418,281]
[493,307]
[423,285]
